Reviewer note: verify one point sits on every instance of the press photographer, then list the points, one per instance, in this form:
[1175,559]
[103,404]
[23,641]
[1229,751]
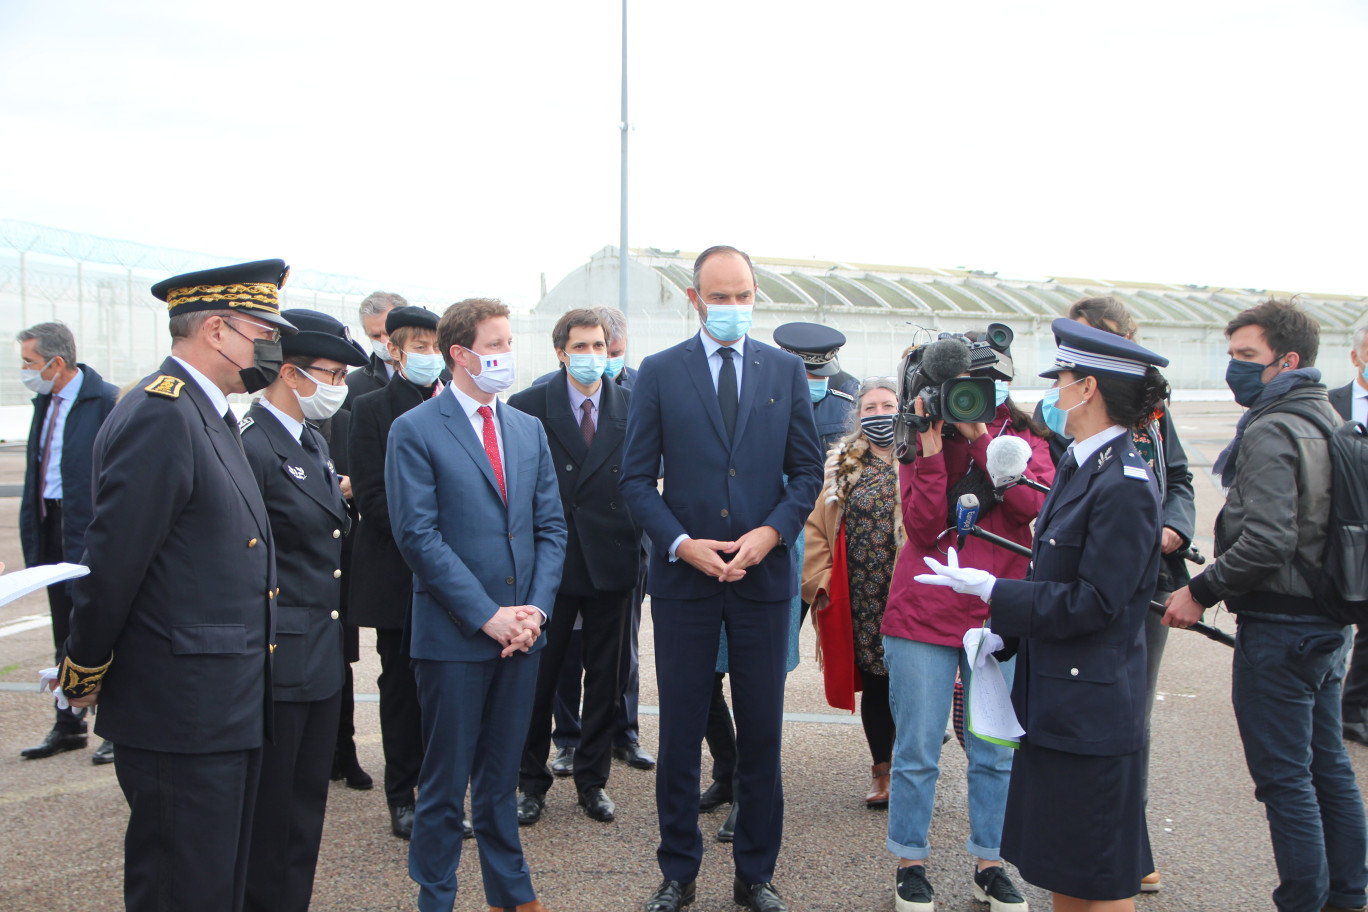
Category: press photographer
[953,401]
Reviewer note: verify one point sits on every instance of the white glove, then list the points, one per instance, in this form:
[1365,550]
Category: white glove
[982,643]
[966,580]
[47,681]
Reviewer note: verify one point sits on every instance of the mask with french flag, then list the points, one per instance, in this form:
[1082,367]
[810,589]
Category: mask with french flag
[496,372]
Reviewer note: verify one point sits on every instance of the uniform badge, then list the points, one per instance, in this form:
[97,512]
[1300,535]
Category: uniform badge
[330,467]
[296,472]
[245,423]
[1103,457]
[168,387]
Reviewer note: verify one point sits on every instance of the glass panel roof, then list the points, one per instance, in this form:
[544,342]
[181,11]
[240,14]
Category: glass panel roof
[857,295]
[819,292]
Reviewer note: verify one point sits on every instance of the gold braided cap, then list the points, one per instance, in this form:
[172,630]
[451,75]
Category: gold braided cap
[260,296]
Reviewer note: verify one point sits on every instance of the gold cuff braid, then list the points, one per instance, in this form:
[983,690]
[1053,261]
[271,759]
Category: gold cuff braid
[76,681]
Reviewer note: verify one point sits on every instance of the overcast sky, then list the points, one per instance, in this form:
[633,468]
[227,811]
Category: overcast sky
[472,147]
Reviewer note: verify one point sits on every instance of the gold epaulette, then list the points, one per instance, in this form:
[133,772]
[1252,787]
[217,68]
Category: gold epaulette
[167,386]
[76,681]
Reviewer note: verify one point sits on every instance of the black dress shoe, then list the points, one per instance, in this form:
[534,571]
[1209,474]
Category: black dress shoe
[632,754]
[564,764]
[104,753]
[55,743]
[1356,731]
[727,832]
[401,821]
[759,897]
[530,808]
[714,796]
[597,805]
[671,896]
[467,829]
[346,766]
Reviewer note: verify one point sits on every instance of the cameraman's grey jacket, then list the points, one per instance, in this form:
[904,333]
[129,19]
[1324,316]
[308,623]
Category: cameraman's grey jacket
[1276,514]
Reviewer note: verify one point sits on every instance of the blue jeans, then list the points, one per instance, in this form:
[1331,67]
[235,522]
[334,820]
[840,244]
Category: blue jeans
[1286,690]
[921,690]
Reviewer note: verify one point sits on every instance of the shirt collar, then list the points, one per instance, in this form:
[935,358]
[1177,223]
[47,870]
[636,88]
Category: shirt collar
[711,345]
[73,387]
[576,397]
[1083,449]
[216,397]
[296,428]
[469,405]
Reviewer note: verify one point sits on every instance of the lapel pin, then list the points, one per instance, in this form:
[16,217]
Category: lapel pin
[296,472]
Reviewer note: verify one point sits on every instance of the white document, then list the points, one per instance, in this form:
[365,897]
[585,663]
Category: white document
[20,583]
[988,699]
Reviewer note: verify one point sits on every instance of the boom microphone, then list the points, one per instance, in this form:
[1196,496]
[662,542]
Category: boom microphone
[944,360]
[966,514]
[1007,459]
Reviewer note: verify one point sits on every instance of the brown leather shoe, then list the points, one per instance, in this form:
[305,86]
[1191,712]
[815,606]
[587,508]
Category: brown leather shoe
[533,906]
[878,791]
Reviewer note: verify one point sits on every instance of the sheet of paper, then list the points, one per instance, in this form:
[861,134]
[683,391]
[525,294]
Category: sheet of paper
[988,699]
[20,583]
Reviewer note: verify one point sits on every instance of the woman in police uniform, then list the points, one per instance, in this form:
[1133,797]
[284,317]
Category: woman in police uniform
[1075,821]
[308,514]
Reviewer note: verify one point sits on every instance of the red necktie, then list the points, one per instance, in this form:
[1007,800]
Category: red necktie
[491,445]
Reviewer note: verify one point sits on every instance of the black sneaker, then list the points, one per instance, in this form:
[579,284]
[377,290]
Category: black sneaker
[993,886]
[914,893]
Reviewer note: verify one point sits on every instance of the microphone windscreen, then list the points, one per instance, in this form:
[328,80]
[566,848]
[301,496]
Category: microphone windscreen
[945,359]
[1007,458]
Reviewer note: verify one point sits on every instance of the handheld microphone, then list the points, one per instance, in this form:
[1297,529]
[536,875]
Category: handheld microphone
[1007,459]
[966,514]
[945,359]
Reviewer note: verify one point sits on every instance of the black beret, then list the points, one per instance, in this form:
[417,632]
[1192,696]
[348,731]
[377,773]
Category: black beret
[410,315]
[814,343]
[1079,346]
[320,336]
[249,287]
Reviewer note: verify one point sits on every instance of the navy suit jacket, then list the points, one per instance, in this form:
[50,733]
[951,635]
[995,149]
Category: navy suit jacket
[471,553]
[716,489]
[1080,678]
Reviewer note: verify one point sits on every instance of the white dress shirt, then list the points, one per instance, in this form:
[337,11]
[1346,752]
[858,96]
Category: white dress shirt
[296,428]
[1083,449]
[61,401]
[216,396]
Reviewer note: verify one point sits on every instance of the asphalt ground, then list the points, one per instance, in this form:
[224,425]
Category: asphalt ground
[62,819]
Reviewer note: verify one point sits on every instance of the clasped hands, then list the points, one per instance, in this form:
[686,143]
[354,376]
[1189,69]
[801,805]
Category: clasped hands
[705,554]
[515,627]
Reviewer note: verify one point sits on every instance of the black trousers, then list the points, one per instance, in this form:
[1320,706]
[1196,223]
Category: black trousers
[189,826]
[346,714]
[1354,701]
[876,716]
[605,621]
[401,721]
[721,733]
[51,551]
[291,798]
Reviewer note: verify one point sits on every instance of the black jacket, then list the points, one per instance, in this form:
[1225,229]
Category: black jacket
[93,404]
[181,590]
[602,553]
[1342,401]
[308,516]
[381,582]
[368,379]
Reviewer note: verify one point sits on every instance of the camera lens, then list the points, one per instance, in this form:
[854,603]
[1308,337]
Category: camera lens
[965,400]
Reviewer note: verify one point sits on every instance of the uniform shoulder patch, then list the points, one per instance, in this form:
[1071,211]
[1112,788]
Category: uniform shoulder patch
[245,423]
[166,386]
[1135,472]
[842,395]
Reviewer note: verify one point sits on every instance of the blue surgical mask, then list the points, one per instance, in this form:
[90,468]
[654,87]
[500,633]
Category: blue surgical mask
[1057,419]
[728,322]
[586,368]
[422,370]
[1000,389]
[1245,379]
[615,366]
[817,389]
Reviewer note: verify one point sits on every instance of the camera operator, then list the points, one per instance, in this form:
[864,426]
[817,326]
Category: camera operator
[924,629]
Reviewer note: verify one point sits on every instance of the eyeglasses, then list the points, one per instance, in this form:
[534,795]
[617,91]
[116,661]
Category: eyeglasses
[272,334]
[335,377]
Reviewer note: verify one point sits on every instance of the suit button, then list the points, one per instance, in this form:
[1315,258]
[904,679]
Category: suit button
[1074,672]
[1052,541]
[731,472]
[337,533]
[569,467]
[612,506]
[510,536]
[270,594]
[509,580]
[613,470]
[337,574]
[252,543]
[334,615]
[724,514]
[273,648]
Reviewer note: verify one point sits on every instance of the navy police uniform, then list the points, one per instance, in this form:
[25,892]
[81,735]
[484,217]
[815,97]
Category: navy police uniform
[308,518]
[1075,819]
[175,623]
[817,345]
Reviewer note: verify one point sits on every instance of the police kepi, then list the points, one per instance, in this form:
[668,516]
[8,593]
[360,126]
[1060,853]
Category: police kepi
[1079,346]
[832,390]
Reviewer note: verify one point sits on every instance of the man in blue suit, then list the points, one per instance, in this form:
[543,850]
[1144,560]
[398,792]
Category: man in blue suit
[731,417]
[476,512]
